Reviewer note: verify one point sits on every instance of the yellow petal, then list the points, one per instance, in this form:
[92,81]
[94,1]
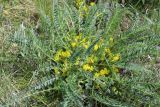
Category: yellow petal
[73,45]
[92,3]
[116,58]
[96,47]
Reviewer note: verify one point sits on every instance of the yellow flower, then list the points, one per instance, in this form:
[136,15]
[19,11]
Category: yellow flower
[79,3]
[66,54]
[86,45]
[87,67]
[85,8]
[92,3]
[56,58]
[96,47]
[104,72]
[107,50]
[116,58]
[73,44]
[57,55]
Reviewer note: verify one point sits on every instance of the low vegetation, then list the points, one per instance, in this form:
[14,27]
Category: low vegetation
[79,54]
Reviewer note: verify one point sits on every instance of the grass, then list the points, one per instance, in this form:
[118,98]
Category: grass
[42,42]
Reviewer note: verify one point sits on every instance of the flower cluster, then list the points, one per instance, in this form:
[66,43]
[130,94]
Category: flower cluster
[83,7]
[99,61]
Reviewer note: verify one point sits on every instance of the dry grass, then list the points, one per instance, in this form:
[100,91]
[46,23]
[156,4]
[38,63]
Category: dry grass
[13,13]
[17,12]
